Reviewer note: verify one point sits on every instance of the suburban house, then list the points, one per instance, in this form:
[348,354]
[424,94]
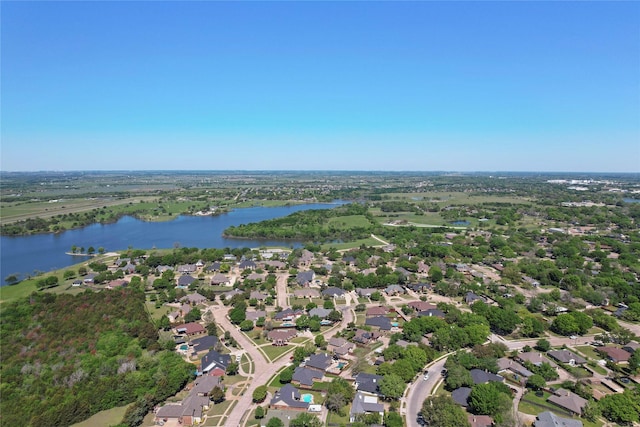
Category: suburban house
[304,278]
[322,313]
[394,290]
[461,396]
[368,382]
[471,297]
[378,311]
[247,265]
[319,362]
[214,267]
[432,312]
[231,294]
[213,360]
[194,299]
[255,315]
[306,293]
[333,292]
[278,265]
[508,365]
[89,278]
[256,277]
[568,400]
[480,377]
[305,258]
[365,337]
[190,329]
[187,268]
[288,397]
[566,356]
[421,305]
[421,288]
[117,283]
[288,315]
[203,385]
[305,377]
[380,322]
[534,357]
[280,337]
[187,412]
[365,404]
[549,419]
[206,343]
[220,279]
[631,347]
[479,420]
[340,346]
[258,295]
[422,267]
[185,281]
[615,354]
[365,292]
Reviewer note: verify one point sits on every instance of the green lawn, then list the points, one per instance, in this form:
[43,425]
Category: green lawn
[333,418]
[105,418]
[588,351]
[273,352]
[533,405]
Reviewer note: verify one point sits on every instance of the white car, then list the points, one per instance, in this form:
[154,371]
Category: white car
[426,376]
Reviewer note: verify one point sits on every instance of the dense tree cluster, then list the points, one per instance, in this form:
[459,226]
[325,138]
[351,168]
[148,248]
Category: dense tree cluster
[72,356]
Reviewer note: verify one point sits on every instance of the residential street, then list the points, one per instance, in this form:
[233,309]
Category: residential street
[263,370]
[420,389]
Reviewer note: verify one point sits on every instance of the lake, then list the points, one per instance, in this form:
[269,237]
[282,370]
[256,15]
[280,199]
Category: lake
[26,255]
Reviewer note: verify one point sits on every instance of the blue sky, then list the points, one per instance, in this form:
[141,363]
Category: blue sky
[457,86]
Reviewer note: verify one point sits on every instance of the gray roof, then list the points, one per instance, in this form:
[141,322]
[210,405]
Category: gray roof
[472,297]
[195,298]
[380,321]
[286,312]
[213,360]
[290,396]
[565,356]
[255,315]
[368,382]
[185,280]
[394,288]
[304,277]
[247,264]
[549,419]
[204,384]
[332,291]
[460,396]
[568,400]
[306,376]
[320,312]
[204,343]
[363,404]
[435,312]
[319,361]
[480,377]
[511,365]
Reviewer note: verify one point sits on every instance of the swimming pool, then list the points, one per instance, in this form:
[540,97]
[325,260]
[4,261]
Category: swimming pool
[341,365]
[184,347]
[307,398]
[394,324]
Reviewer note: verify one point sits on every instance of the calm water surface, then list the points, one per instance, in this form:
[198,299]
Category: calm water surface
[44,252]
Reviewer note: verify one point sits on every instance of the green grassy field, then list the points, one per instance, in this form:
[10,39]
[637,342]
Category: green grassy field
[106,418]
